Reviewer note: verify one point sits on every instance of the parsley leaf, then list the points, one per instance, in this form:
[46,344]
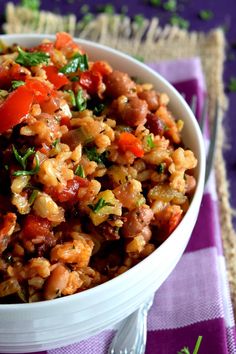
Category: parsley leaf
[79,171]
[99,205]
[232,84]
[206,15]
[55,143]
[107,9]
[161,168]
[139,20]
[93,155]
[31,59]
[77,62]
[72,97]
[33,196]
[81,102]
[185,350]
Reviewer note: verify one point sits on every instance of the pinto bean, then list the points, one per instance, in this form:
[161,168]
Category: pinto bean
[131,110]
[137,220]
[56,282]
[151,97]
[119,83]
[155,125]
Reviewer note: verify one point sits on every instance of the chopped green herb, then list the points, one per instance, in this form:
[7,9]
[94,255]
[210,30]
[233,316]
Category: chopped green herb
[139,20]
[81,102]
[23,159]
[16,84]
[79,171]
[232,84]
[74,79]
[160,168]
[107,9]
[77,62]
[206,15]
[170,5]
[31,59]
[98,109]
[155,2]
[185,350]
[84,9]
[33,196]
[31,4]
[72,97]
[150,141]
[31,172]
[139,57]
[99,205]
[55,143]
[93,155]
[179,21]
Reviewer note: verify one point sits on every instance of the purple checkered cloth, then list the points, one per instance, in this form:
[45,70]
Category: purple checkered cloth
[194,301]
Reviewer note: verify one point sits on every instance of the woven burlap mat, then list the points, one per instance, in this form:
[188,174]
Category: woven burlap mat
[153,43]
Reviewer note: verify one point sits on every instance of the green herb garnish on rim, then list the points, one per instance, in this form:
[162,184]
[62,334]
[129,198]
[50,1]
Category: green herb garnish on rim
[31,59]
[99,205]
[79,61]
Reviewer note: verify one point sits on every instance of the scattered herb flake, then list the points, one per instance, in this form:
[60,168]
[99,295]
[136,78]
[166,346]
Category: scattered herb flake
[179,21]
[33,196]
[55,143]
[16,84]
[79,171]
[81,101]
[74,79]
[150,141]
[22,159]
[77,62]
[170,5]
[161,168]
[31,59]
[31,172]
[33,5]
[93,155]
[98,109]
[232,84]
[206,15]
[99,205]
[72,97]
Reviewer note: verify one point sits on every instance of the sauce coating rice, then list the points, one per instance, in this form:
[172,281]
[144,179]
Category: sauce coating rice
[94,174]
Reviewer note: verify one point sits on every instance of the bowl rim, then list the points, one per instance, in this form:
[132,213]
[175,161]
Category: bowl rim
[95,291]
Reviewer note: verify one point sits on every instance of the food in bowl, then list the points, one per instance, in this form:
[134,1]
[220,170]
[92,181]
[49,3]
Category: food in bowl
[94,172]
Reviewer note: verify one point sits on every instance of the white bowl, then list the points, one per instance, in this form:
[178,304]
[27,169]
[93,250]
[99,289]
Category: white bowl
[50,324]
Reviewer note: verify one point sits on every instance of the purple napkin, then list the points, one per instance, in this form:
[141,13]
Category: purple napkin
[194,301]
